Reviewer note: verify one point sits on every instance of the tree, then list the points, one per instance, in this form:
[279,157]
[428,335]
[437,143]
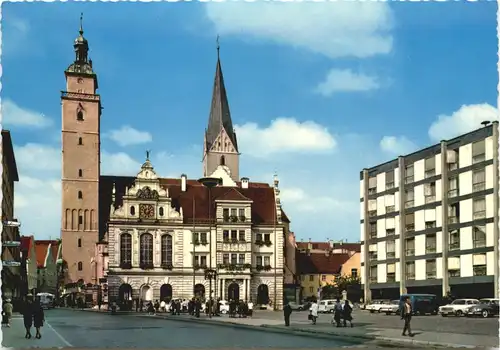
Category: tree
[347,283]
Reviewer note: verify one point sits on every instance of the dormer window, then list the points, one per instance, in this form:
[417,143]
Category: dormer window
[222,160]
[161,212]
[132,210]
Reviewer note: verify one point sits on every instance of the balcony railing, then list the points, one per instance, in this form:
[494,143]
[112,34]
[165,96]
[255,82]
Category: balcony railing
[390,209]
[430,274]
[453,193]
[372,190]
[480,243]
[409,204]
[479,270]
[389,185]
[373,279]
[479,215]
[430,224]
[372,255]
[430,199]
[409,179]
[263,267]
[373,234]
[391,277]
[410,275]
[452,220]
[234,267]
[410,252]
[430,249]
[480,186]
[454,246]
[410,227]
[430,173]
[391,254]
[453,273]
[234,218]
[478,158]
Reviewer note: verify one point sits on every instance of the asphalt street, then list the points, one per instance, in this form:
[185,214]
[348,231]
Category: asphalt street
[458,325]
[88,329]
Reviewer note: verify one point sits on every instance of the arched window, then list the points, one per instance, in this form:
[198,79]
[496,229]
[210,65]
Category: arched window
[80,266]
[80,141]
[166,250]
[161,211]
[125,249]
[146,248]
[80,195]
[79,112]
[80,172]
[222,160]
[132,210]
[79,242]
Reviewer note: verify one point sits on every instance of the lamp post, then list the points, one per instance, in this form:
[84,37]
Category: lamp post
[210,274]
[210,182]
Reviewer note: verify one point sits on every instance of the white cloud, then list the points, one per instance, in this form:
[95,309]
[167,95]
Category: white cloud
[34,156]
[466,119]
[119,164]
[284,135]
[334,29]
[13,115]
[298,199]
[345,80]
[126,136]
[397,145]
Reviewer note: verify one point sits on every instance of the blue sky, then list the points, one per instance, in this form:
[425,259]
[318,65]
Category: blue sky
[317,92]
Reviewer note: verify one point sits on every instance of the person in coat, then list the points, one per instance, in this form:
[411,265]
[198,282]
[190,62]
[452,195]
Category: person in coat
[337,312]
[287,312]
[313,311]
[27,311]
[347,313]
[38,317]
[406,313]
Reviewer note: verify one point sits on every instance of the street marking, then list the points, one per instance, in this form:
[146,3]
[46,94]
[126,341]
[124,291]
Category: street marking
[67,343]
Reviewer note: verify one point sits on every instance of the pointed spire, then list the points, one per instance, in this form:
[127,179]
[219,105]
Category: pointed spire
[220,116]
[81,24]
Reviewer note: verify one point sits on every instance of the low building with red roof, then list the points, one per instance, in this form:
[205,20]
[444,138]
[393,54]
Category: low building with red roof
[47,253]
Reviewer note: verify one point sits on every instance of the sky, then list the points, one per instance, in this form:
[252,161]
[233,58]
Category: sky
[317,92]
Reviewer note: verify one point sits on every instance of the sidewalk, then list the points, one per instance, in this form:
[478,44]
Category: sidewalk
[13,337]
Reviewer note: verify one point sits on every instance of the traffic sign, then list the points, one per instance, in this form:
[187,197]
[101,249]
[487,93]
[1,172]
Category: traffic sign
[11,244]
[11,263]
[12,223]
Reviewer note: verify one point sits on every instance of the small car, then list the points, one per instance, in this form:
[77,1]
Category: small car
[487,307]
[458,307]
[391,308]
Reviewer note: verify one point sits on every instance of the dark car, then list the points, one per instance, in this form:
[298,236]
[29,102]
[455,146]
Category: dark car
[487,307]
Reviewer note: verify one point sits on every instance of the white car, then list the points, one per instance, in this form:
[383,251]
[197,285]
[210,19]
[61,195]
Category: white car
[458,307]
[375,305]
[390,308]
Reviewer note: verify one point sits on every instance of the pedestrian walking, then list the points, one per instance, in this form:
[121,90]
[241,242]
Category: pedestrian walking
[347,313]
[287,312]
[7,312]
[38,317]
[250,308]
[27,311]
[337,312]
[406,313]
[313,311]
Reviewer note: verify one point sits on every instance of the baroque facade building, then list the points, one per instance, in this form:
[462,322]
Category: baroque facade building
[148,237]
[429,220]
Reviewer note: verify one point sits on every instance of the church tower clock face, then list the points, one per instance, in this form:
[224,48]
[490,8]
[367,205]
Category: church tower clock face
[146,211]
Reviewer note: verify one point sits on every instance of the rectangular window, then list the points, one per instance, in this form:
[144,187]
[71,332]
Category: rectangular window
[430,192]
[225,214]
[203,261]
[479,236]
[478,180]
[234,259]
[452,159]
[409,174]
[454,213]
[241,212]
[454,242]
[430,268]
[195,237]
[234,212]
[391,273]
[430,167]
[430,244]
[389,180]
[390,248]
[258,261]
[390,232]
[479,208]
[410,246]
[311,289]
[430,224]
[372,185]
[311,278]
[267,261]
[225,259]
[373,274]
[267,237]
[196,260]
[410,222]
[372,207]
[225,235]
[234,235]
[478,152]
[373,230]
[203,237]
[354,273]
[258,237]
[409,198]
[453,186]
[241,235]
[323,278]
[80,220]
[410,270]
[241,259]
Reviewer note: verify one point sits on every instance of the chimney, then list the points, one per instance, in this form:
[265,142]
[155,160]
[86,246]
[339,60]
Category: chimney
[183,182]
[244,182]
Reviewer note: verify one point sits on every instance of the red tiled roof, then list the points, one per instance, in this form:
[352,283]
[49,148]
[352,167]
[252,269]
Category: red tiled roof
[27,243]
[320,263]
[41,248]
[262,195]
[232,195]
[352,247]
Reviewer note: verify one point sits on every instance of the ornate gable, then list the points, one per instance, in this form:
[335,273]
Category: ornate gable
[145,200]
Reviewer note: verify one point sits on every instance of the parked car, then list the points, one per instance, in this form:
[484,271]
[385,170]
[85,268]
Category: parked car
[327,306]
[375,305]
[487,307]
[391,308]
[458,307]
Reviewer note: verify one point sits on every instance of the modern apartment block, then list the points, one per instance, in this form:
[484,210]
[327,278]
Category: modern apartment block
[429,220]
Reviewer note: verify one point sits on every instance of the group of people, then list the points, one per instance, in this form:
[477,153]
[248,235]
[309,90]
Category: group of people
[32,312]
[342,313]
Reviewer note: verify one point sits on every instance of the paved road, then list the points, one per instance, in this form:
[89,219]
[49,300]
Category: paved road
[88,329]
[459,325]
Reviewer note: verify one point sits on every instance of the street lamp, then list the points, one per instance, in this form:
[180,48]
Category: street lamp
[210,182]
[210,274]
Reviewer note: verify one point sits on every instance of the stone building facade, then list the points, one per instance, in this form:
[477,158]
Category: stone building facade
[150,237]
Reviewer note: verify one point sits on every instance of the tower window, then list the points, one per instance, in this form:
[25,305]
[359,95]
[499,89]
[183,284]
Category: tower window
[161,212]
[80,141]
[80,195]
[80,266]
[222,160]
[79,115]
[79,242]
[80,220]
[132,210]
[80,172]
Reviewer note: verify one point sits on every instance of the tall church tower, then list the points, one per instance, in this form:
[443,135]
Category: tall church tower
[81,113]
[220,146]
